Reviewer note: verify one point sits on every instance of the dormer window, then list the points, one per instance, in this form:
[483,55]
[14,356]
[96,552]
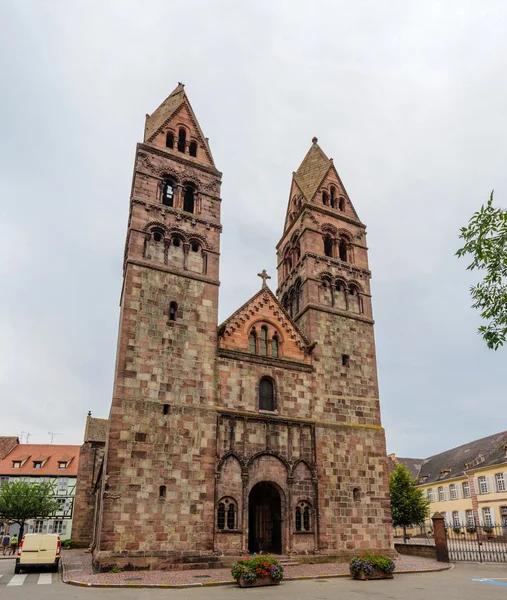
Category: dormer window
[16,464]
[37,464]
[444,473]
[62,465]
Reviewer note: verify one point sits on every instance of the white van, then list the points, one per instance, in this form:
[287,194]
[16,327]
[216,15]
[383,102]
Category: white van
[38,550]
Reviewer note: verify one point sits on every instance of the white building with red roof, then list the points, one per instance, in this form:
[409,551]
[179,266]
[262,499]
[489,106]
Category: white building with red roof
[43,462]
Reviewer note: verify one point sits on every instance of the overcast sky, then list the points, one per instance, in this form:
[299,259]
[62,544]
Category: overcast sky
[409,98]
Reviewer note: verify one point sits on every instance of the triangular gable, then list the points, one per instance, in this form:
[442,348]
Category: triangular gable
[174,105]
[263,307]
[342,189]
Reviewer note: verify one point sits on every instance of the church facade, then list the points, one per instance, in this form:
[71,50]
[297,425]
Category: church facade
[260,433]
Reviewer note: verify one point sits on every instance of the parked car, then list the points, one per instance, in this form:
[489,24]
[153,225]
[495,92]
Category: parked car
[38,550]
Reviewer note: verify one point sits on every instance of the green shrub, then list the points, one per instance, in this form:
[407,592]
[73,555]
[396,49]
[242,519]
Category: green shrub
[260,566]
[115,570]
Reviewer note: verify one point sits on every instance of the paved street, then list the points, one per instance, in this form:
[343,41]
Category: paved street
[456,584]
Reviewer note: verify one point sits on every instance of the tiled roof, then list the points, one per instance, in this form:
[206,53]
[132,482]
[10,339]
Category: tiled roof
[412,464]
[452,463]
[312,171]
[96,429]
[48,454]
[7,443]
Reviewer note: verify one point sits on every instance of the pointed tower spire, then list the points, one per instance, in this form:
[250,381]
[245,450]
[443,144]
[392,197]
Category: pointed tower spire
[173,125]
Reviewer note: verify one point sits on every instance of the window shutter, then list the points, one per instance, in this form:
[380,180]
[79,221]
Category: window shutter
[447,493]
[476,486]
[459,488]
[481,518]
[462,517]
[491,484]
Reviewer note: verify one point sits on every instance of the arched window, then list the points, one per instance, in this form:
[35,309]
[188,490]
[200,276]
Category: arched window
[341,204]
[303,517]
[231,517]
[325,198]
[266,394]
[252,339]
[173,307]
[169,139]
[193,149]
[182,140]
[264,341]
[328,246]
[157,235]
[221,516]
[176,241]
[275,346]
[297,296]
[162,491]
[299,521]
[227,512]
[189,199]
[168,192]
[332,200]
[343,249]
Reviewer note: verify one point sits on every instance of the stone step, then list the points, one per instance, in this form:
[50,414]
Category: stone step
[289,563]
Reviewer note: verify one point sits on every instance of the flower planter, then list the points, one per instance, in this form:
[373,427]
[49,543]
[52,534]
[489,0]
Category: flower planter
[377,574]
[257,583]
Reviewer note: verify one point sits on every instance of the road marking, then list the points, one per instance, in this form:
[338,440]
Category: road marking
[44,578]
[491,581]
[17,580]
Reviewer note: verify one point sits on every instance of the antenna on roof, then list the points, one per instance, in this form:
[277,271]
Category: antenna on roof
[52,434]
[21,436]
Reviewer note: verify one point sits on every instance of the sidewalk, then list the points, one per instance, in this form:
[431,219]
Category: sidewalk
[77,571]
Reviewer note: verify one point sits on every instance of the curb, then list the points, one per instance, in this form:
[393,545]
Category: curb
[218,583]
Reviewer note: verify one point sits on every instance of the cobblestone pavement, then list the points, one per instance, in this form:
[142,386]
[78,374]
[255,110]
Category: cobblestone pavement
[77,569]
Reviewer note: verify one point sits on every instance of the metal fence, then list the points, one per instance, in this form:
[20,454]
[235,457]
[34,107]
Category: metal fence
[478,543]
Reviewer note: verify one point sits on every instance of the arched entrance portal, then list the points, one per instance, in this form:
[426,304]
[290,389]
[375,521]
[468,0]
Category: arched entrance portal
[264,519]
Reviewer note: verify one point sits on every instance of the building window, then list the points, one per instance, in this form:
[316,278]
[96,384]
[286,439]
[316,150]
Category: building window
[16,464]
[37,526]
[274,346]
[325,199]
[488,518]
[466,489]
[345,360]
[266,394]
[455,519]
[37,464]
[193,149]
[189,199]
[341,204]
[173,307]
[63,483]
[454,491]
[328,246]
[441,494]
[483,485]
[168,192]
[165,409]
[182,140]
[140,436]
[264,341]
[431,495]
[169,139]
[227,512]
[343,250]
[500,482]
[162,491]
[332,199]
[62,465]
[58,527]
[303,517]
[356,494]
[470,518]
[252,339]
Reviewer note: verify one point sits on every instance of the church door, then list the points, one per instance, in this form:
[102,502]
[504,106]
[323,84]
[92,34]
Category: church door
[264,519]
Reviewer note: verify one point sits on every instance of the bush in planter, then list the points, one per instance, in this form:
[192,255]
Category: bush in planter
[368,563]
[258,567]
[471,529]
[487,529]
[456,529]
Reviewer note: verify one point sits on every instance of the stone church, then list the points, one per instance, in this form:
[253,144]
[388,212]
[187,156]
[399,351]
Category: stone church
[259,433]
